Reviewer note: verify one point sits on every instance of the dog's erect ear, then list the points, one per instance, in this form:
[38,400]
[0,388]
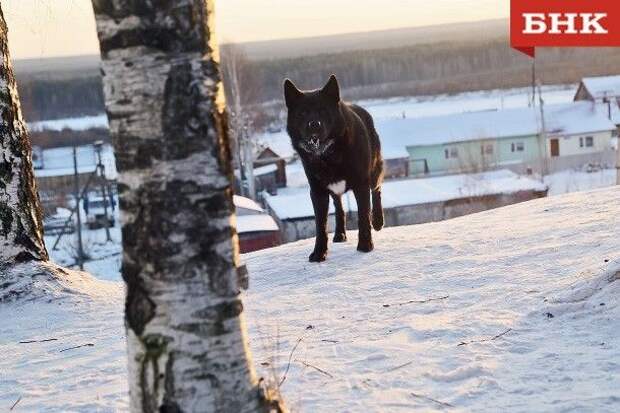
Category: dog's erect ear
[332,89]
[291,93]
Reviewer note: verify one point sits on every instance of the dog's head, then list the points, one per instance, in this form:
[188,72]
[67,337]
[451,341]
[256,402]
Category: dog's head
[315,119]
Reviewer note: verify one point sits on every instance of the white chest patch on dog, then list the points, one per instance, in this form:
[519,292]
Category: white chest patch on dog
[338,188]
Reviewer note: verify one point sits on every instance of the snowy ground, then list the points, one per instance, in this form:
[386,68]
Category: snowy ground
[573,181]
[513,309]
[105,262]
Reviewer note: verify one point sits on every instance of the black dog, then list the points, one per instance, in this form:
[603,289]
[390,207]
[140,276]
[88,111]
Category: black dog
[340,150]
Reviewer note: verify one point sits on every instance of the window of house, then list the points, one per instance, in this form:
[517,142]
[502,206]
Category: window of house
[486,149]
[614,133]
[451,153]
[581,142]
[589,141]
[517,147]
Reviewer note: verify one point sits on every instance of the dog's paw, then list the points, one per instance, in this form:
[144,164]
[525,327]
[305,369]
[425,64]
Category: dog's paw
[365,246]
[317,256]
[340,237]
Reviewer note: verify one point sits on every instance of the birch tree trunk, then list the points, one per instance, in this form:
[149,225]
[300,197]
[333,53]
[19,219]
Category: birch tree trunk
[186,337]
[21,228]
[25,272]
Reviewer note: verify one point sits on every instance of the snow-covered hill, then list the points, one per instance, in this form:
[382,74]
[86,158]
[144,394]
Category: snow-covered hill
[514,309]
[507,310]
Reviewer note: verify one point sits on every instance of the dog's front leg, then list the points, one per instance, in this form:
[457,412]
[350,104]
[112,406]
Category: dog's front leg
[362,196]
[320,203]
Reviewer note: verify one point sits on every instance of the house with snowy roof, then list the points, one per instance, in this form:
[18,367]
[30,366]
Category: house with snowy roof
[569,135]
[603,90]
[598,89]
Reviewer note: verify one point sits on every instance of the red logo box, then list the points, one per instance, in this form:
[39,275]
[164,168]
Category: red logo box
[563,23]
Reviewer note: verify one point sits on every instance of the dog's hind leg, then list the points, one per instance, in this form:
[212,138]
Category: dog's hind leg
[340,235]
[377,209]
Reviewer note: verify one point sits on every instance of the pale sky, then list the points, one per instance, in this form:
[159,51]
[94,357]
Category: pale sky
[43,28]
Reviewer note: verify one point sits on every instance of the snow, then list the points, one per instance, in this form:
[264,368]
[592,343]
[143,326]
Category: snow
[59,161]
[81,123]
[390,323]
[569,119]
[246,203]
[294,203]
[105,262]
[278,142]
[575,180]
[264,170]
[256,223]
[513,309]
[603,86]
[426,106]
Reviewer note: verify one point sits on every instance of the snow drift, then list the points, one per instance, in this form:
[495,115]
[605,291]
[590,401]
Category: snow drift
[514,309]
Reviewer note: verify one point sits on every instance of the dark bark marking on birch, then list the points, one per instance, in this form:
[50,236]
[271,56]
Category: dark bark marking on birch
[139,308]
[155,347]
[169,29]
[169,404]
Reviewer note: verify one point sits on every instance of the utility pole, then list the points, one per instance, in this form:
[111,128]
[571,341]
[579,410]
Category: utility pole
[106,222]
[248,150]
[543,136]
[78,198]
[533,103]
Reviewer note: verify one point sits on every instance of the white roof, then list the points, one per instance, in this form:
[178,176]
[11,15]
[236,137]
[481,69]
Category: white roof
[280,143]
[59,161]
[568,119]
[292,203]
[264,170]
[256,223]
[602,86]
[246,203]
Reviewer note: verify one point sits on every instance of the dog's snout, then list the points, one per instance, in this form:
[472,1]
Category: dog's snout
[314,125]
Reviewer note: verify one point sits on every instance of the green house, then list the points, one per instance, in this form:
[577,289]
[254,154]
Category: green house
[510,139]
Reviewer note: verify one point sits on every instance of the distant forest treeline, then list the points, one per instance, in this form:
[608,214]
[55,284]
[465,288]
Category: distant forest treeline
[432,69]
[422,69]
[56,98]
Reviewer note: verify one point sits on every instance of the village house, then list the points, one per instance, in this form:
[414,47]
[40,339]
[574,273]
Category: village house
[575,134]
[410,201]
[255,228]
[603,90]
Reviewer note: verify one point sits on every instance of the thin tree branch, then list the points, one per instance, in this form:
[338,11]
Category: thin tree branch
[15,404]
[419,301]
[290,357]
[464,343]
[421,396]
[80,346]
[37,341]
[320,370]
[399,367]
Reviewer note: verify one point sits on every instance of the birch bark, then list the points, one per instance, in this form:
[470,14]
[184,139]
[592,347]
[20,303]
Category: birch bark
[186,337]
[21,228]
